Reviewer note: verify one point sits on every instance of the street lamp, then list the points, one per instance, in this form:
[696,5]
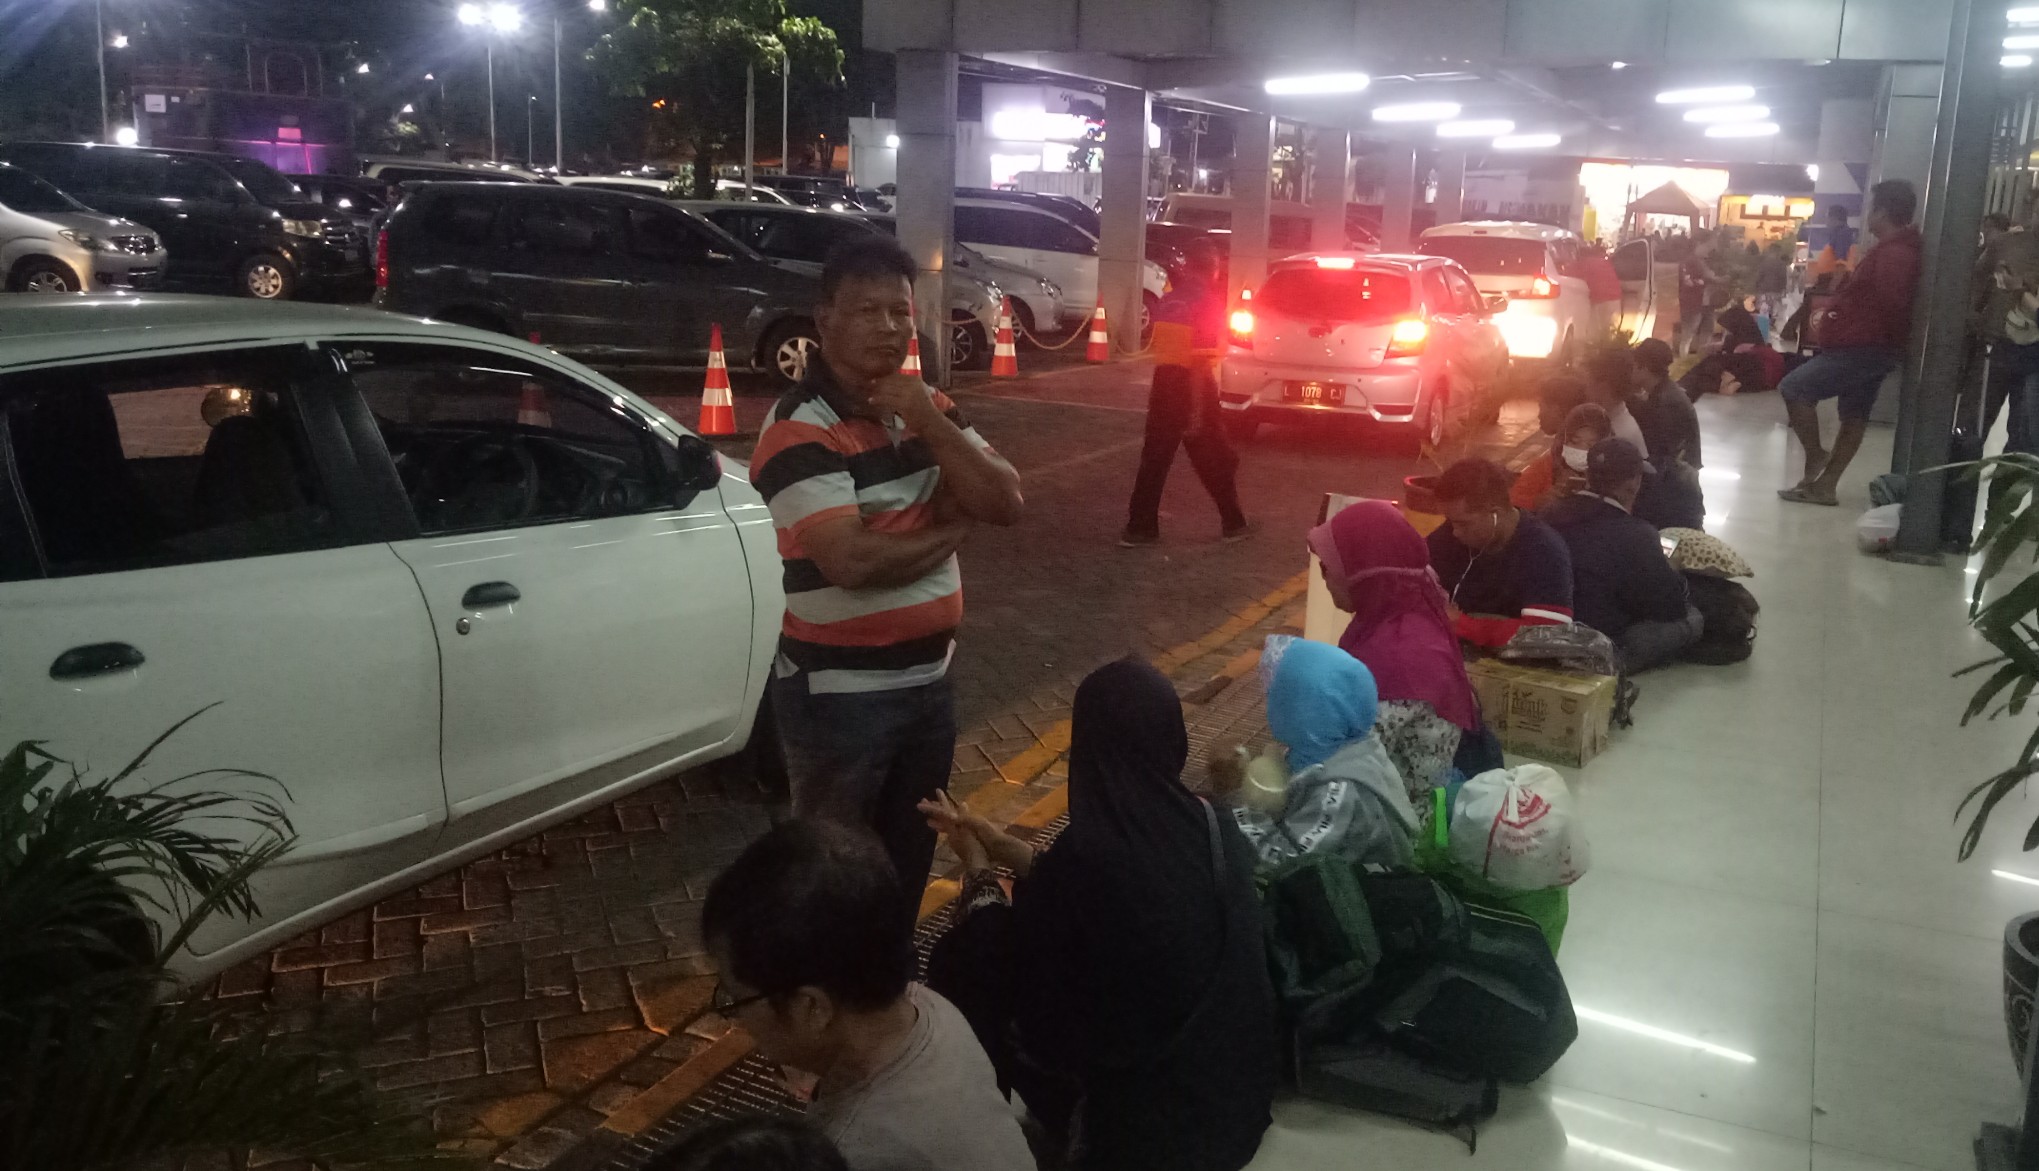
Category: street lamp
[558,92]
[119,40]
[530,144]
[499,19]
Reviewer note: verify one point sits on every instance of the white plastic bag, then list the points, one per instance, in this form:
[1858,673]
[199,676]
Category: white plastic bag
[1517,828]
[1878,527]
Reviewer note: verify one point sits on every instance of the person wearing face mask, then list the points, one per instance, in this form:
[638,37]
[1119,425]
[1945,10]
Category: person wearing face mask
[1623,585]
[1561,469]
[1501,567]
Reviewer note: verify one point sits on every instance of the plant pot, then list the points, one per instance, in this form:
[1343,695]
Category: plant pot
[1419,494]
[2021,981]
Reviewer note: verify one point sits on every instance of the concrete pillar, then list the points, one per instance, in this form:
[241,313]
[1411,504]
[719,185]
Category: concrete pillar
[1451,187]
[1122,248]
[1252,179]
[1398,197]
[926,204]
[1956,186]
[1330,188]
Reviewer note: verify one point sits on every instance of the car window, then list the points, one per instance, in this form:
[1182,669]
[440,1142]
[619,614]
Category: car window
[264,182]
[165,461]
[1489,255]
[663,236]
[1336,295]
[1052,233]
[801,237]
[1632,261]
[144,176]
[191,179]
[1464,292]
[23,192]
[483,441]
[997,227]
[744,225]
[1438,296]
[563,227]
[460,217]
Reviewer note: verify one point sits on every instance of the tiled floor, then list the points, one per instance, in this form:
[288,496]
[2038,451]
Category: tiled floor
[1778,961]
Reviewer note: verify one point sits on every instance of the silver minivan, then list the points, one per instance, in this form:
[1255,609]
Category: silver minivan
[51,243]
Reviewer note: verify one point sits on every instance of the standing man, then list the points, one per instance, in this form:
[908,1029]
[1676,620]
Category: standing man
[1603,292]
[1696,280]
[873,481]
[1861,341]
[1182,407]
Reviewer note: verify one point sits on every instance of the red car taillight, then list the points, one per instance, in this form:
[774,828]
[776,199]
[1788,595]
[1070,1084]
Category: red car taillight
[1541,288]
[1408,338]
[1242,328]
[382,259]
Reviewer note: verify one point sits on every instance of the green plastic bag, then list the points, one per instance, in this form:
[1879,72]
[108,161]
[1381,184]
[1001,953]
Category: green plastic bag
[1549,909]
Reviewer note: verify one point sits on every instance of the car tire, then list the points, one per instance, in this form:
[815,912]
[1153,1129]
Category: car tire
[43,274]
[1023,319]
[1568,353]
[1149,306]
[786,352]
[969,349]
[1436,426]
[1241,426]
[266,276]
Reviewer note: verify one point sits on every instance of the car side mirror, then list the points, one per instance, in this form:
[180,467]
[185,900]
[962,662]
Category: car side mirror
[1497,302]
[696,467]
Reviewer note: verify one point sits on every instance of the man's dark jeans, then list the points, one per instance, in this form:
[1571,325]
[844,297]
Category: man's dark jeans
[1182,411]
[868,758]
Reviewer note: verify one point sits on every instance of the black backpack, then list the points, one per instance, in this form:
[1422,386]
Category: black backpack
[1730,611]
[1369,1072]
[1497,1006]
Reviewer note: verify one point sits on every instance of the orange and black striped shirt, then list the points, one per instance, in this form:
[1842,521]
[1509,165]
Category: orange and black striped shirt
[817,460]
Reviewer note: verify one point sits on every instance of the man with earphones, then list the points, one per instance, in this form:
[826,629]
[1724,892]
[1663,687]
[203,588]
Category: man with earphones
[1502,567]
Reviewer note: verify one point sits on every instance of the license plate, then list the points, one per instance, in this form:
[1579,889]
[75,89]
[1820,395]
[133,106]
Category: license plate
[1317,394]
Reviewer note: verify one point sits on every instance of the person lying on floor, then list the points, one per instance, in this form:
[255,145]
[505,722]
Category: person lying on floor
[1124,983]
[1501,568]
[1623,584]
[1344,796]
[1377,569]
[817,964]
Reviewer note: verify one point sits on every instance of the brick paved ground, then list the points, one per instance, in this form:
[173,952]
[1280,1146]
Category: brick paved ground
[560,987]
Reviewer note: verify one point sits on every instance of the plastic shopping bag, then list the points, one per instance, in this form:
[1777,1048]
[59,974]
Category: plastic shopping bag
[1878,528]
[1518,829]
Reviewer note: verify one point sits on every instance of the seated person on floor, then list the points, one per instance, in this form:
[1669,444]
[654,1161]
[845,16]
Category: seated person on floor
[1623,584]
[1127,970]
[1610,381]
[1669,423]
[1344,796]
[1501,568]
[1377,568]
[1666,501]
[817,963]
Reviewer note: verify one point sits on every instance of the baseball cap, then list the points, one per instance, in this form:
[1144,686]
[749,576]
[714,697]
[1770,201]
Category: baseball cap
[1612,462]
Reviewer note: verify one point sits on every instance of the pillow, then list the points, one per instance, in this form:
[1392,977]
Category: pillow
[1703,553]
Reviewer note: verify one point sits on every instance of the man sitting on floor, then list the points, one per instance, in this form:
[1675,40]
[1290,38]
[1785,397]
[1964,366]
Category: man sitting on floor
[817,963]
[1502,568]
[1622,584]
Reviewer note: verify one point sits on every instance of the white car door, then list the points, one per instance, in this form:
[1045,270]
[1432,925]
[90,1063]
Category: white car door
[1035,240]
[191,541]
[589,592]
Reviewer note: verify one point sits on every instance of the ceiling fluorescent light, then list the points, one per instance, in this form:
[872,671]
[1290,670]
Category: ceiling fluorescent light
[1711,93]
[1727,114]
[2022,16]
[1741,129]
[1320,83]
[2015,60]
[1527,141]
[2027,41]
[1475,128]
[1416,112]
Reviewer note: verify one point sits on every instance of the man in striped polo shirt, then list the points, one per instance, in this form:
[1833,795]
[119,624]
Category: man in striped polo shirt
[873,480]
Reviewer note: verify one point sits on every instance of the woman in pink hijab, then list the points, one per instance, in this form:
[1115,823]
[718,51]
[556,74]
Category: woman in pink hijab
[1378,569]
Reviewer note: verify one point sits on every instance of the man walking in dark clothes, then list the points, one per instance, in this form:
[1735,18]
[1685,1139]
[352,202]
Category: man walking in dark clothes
[1182,409]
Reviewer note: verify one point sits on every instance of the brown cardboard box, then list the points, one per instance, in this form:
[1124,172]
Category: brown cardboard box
[1553,716]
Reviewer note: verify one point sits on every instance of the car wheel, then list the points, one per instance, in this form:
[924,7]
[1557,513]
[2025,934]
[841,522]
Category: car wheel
[266,276]
[40,274]
[1436,420]
[1568,352]
[967,347]
[788,351]
[1023,317]
[1148,304]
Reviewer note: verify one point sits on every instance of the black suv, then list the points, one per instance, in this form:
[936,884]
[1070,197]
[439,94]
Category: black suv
[224,220]
[605,277]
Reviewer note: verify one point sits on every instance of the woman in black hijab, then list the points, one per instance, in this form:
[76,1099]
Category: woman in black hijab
[1124,992]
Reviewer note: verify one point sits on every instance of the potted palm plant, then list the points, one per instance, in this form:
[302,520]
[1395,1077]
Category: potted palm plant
[102,1063]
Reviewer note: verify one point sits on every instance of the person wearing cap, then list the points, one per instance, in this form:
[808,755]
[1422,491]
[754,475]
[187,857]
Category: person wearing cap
[1622,584]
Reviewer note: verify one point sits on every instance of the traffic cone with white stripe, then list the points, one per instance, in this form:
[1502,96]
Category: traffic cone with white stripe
[912,363]
[1005,356]
[1100,348]
[718,409]
[531,408]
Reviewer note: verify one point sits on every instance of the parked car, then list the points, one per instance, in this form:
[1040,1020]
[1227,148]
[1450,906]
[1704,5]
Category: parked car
[1034,297]
[405,169]
[1549,315]
[1405,341]
[608,278]
[829,194]
[1067,206]
[51,243]
[1176,239]
[800,239]
[671,189]
[362,200]
[1053,247]
[224,220]
[272,512]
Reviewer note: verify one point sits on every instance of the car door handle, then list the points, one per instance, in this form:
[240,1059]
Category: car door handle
[99,658]
[489,593]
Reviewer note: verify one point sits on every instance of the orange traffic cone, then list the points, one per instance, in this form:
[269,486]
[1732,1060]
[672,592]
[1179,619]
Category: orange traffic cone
[718,410]
[1004,355]
[531,408]
[1100,348]
[912,363]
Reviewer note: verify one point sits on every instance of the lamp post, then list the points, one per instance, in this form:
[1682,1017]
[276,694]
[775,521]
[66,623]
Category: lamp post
[530,144]
[99,33]
[497,20]
[785,110]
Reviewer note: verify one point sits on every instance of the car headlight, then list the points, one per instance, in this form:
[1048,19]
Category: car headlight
[85,240]
[310,228]
[1051,288]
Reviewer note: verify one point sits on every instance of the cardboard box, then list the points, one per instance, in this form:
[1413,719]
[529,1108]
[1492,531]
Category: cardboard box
[1552,716]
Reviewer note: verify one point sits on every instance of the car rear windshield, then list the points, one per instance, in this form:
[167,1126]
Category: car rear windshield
[25,193]
[1319,294]
[1490,255]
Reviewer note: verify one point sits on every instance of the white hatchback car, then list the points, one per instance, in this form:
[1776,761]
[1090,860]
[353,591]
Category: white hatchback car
[1549,314]
[446,586]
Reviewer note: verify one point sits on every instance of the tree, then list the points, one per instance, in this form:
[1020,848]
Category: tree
[686,59]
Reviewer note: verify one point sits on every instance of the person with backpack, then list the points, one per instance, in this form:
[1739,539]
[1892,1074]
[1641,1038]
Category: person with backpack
[1623,585]
[1122,990]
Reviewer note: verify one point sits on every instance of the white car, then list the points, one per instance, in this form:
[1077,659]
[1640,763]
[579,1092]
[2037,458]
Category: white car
[1053,247]
[1034,297]
[446,586]
[1549,314]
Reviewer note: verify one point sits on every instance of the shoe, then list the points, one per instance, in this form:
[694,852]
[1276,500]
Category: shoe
[1133,539]
[1805,495]
[1239,532]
